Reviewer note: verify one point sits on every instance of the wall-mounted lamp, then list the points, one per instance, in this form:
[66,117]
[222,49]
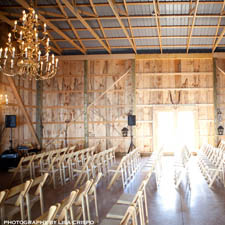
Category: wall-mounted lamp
[124,132]
[4,99]
[220,130]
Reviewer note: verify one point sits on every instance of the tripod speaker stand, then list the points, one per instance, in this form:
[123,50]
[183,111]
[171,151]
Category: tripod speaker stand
[10,122]
[131,123]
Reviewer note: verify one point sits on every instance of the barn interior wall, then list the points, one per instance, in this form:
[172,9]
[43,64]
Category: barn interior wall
[158,83]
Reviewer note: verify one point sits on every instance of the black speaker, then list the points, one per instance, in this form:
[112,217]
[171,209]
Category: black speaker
[131,120]
[10,121]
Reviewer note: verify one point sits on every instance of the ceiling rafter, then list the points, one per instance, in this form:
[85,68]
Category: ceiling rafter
[146,27]
[82,20]
[56,29]
[11,23]
[129,23]
[71,25]
[193,23]
[114,9]
[156,8]
[215,44]
[99,23]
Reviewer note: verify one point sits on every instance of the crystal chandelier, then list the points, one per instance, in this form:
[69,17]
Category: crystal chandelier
[28,52]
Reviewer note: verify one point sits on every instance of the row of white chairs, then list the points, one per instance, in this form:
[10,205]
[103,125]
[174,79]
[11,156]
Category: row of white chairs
[155,163]
[30,166]
[181,165]
[127,168]
[99,163]
[21,198]
[74,207]
[211,161]
[130,208]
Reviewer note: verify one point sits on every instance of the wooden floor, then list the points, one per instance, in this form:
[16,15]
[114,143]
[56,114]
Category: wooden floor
[189,205]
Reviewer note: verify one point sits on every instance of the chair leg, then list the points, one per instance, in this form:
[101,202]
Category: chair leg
[28,206]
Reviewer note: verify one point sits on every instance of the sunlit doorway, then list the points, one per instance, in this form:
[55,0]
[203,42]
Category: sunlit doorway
[174,128]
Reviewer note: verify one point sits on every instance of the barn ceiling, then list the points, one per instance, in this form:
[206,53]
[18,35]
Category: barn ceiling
[127,26]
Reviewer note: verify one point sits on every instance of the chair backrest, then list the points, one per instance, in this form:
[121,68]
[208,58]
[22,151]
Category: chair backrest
[40,181]
[52,213]
[21,190]
[67,204]
[3,195]
[129,216]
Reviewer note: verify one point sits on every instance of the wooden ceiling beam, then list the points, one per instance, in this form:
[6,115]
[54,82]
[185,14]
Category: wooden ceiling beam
[156,8]
[82,20]
[142,38]
[144,27]
[215,44]
[192,26]
[129,23]
[99,23]
[56,29]
[112,5]
[71,25]
[143,17]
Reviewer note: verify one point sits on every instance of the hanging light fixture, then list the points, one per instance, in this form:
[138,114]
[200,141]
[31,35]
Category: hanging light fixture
[23,56]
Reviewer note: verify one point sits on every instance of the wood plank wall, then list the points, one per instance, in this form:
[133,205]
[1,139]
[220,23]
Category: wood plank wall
[156,80]
[27,91]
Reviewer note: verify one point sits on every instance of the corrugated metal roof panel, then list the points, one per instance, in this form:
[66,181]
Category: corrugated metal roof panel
[174,41]
[204,31]
[145,32]
[173,21]
[173,9]
[143,22]
[110,23]
[174,32]
[140,10]
[113,33]
[140,42]
[123,42]
[201,41]
[206,21]
[92,43]
[209,8]
[84,34]
[104,11]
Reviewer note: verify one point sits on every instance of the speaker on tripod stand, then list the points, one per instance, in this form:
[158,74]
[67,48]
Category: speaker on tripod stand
[10,122]
[131,123]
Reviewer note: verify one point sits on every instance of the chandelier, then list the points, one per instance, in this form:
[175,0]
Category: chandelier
[28,52]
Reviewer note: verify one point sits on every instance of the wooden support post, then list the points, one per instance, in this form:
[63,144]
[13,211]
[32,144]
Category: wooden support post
[22,107]
[39,104]
[107,125]
[133,94]
[215,102]
[86,139]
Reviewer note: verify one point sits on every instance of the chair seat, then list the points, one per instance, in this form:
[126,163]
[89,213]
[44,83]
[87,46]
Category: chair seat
[125,199]
[117,211]
[110,222]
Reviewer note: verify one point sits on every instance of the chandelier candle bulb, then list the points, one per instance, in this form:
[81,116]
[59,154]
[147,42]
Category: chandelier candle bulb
[39,55]
[47,55]
[0,52]
[47,42]
[41,65]
[56,62]
[44,27]
[11,64]
[36,36]
[36,18]
[25,52]
[15,23]
[53,59]
[21,35]
[13,52]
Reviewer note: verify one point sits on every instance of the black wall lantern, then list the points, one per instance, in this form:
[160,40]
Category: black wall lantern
[124,132]
[220,130]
